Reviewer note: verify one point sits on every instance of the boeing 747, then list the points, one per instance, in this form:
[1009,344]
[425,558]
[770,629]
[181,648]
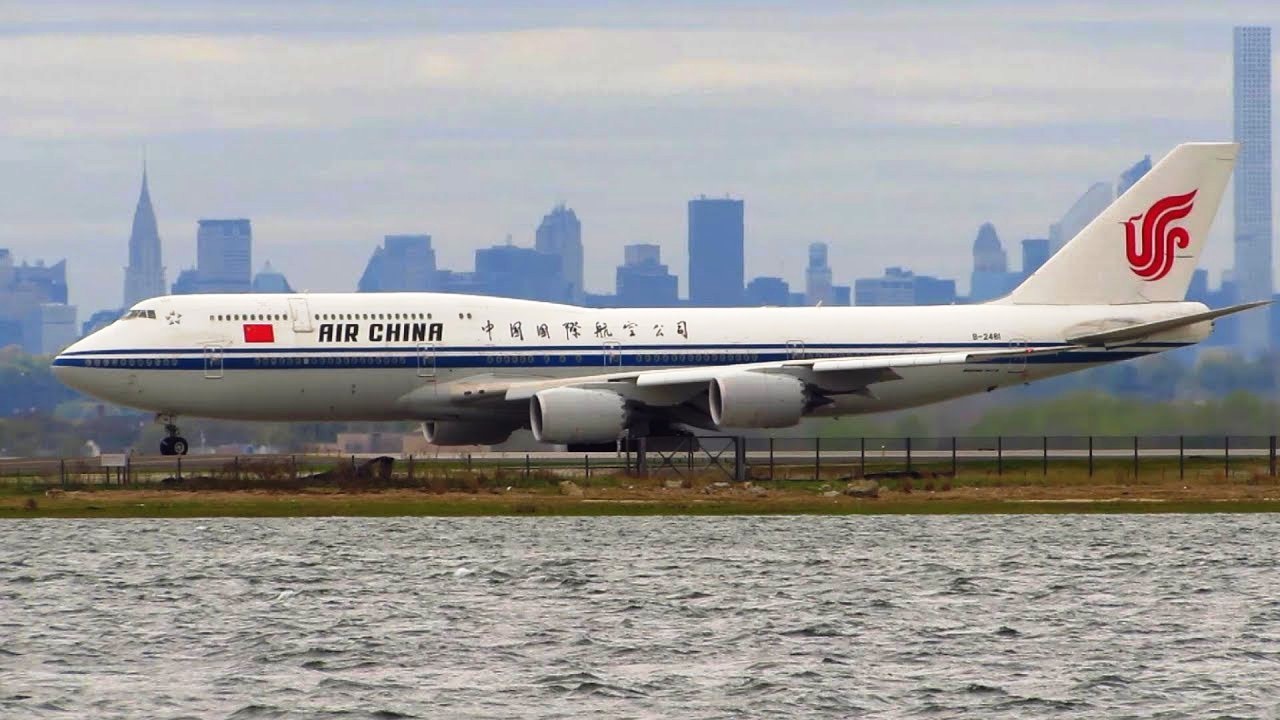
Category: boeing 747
[475,369]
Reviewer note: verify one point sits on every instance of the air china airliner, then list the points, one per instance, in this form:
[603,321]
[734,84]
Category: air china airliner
[475,369]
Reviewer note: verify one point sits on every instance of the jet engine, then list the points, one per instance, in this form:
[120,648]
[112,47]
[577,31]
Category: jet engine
[465,432]
[577,415]
[756,400]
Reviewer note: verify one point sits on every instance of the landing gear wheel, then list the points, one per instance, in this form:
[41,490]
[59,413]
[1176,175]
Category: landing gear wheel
[173,443]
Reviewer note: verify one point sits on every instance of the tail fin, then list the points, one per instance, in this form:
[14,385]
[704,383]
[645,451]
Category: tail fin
[1145,245]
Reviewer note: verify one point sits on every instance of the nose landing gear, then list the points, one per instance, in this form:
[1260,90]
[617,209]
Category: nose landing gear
[173,443]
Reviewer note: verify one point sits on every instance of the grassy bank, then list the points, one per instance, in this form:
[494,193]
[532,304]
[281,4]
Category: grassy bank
[616,497]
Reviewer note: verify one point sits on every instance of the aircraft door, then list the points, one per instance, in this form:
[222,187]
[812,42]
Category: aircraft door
[613,354]
[301,314]
[795,349]
[1017,364]
[212,362]
[427,362]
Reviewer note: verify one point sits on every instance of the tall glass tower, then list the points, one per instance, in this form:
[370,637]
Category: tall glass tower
[716,266]
[1252,105]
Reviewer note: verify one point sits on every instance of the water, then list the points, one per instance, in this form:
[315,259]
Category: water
[886,617]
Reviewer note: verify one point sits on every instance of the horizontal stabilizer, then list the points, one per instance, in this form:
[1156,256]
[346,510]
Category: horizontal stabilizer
[1134,333]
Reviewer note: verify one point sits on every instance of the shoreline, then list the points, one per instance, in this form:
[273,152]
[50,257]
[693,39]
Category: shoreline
[323,502]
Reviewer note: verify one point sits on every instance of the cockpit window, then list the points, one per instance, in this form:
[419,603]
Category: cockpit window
[133,314]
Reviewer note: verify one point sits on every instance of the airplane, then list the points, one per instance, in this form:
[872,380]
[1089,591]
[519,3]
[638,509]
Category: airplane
[475,369]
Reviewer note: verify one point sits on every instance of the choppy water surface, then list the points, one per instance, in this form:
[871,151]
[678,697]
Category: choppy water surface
[1167,616]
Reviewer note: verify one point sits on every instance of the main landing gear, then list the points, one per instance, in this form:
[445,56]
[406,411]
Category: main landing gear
[173,443]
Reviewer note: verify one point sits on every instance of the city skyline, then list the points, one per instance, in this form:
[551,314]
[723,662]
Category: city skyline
[810,113]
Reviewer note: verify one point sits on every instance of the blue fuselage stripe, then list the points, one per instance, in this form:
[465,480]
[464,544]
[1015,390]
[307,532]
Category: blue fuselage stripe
[544,357]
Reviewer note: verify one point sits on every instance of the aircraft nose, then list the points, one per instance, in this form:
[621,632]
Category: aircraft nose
[65,365]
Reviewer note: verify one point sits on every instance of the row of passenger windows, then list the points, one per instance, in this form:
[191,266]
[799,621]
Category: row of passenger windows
[133,362]
[249,317]
[374,316]
[616,359]
[335,361]
[406,361]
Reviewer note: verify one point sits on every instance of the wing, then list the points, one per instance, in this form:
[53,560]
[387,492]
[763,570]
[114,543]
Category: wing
[676,386]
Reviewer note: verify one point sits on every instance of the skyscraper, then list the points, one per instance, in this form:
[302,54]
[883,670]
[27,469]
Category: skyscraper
[1133,175]
[991,277]
[144,277]
[224,255]
[404,263]
[1035,251]
[1089,206]
[817,276]
[560,234]
[716,266]
[643,281]
[1252,108]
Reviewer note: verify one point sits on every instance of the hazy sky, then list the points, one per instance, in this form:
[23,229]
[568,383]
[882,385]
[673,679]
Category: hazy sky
[889,130]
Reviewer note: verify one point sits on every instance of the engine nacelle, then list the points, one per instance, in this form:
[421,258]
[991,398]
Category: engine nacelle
[756,400]
[576,415]
[465,432]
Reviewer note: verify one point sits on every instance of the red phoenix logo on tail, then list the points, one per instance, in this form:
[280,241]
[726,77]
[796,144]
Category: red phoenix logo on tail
[1151,255]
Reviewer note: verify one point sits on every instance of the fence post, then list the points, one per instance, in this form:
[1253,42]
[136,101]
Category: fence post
[999,455]
[179,473]
[1271,455]
[235,468]
[1090,456]
[954,470]
[1135,457]
[772,479]
[1182,470]
[908,454]
[526,468]
[817,458]
[409,471]
[62,471]
[1226,455]
[862,456]
[1044,465]
[586,466]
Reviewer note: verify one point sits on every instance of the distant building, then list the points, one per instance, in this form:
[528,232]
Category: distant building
[643,281]
[144,277]
[99,320]
[716,265]
[1082,212]
[404,263]
[1035,251]
[224,259]
[49,328]
[768,291]
[841,295]
[270,280]
[990,277]
[33,305]
[1251,98]
[1131,176]
[903,287]
[817,276]
[520,272]
[560,234]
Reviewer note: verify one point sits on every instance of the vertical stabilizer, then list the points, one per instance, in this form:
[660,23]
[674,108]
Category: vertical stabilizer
[1145,245]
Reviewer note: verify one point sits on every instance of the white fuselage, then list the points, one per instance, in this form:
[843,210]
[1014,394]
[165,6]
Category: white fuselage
[412,356]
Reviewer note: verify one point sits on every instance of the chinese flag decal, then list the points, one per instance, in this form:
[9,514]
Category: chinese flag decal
[259,333]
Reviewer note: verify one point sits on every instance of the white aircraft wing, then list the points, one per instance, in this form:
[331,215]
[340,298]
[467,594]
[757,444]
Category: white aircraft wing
[676,385]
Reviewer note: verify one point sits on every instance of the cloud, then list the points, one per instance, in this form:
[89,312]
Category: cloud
[889,130]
